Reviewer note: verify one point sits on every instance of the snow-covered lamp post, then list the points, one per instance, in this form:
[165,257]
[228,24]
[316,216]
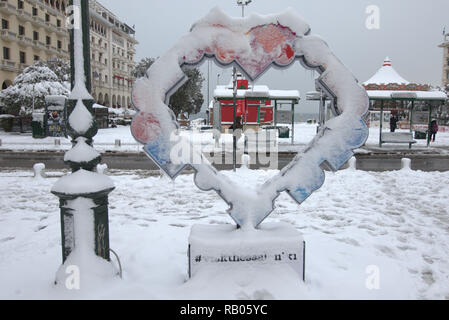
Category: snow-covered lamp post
[84,193]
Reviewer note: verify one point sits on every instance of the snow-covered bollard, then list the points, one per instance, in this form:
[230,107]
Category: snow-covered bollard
[406,164]
[39,172]
[57,142]
[101,168]
[246,161]
[352,164]
[118,143]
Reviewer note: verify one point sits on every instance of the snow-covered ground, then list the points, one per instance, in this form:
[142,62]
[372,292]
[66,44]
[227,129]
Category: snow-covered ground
[105,140]
[396,223]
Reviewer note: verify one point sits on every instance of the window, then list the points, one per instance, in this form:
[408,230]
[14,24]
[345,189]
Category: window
[59,44]
[5,53]
[35,12]
[58,23]
[22,57]
[19,4]
[47,17]
[447,75]
[21,30]
[5,24]
[36,58]
[35,35]
[48,40]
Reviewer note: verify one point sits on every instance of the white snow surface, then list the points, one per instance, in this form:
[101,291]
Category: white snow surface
[396,221]
[423,95]
[386,75]
[81,152]
[105,140]
[82,182]
[93,270]
[256,91]
[80,119]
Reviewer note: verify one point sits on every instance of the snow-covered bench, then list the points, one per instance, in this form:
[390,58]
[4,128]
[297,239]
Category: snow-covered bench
[398,137]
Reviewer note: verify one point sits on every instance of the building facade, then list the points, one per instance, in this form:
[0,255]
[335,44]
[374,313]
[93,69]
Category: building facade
[35,30]
[112,57]
[31,30]
[445,47]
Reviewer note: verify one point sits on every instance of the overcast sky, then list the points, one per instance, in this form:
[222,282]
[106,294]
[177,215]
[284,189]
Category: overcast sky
[410,32]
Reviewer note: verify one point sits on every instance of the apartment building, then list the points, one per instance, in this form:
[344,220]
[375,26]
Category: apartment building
[34,30]
[445,46]
[31,30]
[112,57]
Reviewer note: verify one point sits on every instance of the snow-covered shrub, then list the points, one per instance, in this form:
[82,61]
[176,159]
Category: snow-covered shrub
[35,81]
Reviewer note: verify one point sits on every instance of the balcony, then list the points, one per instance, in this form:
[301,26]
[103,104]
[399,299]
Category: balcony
[52,27]
[8,65]
[7,8]
[39,45]
[61,30]
[97,64]
[25,41]
[39,21]
[8,35]
[62,52]
[51,48]
[23,15]
[23,66]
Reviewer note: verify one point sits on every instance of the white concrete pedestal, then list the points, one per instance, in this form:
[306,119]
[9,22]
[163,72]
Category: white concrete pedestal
[219,247]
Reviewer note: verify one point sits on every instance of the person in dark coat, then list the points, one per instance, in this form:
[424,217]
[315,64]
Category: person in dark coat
[393,123]
[237,132]
[433,130]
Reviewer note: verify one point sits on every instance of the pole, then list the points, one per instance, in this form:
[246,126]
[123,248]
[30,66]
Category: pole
[234,137]
[293,123]
[208,86]
[381,122]
[429,136]
[95,202]
[275,113]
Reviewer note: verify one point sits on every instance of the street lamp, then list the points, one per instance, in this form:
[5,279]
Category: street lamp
[243,3]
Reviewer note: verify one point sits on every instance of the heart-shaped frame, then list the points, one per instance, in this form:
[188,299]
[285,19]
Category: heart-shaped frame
[253,45]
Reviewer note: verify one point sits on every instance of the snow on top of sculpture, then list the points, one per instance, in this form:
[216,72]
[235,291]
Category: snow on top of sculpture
[253,44]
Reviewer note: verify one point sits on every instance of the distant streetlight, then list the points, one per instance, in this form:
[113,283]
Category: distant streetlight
[243,3]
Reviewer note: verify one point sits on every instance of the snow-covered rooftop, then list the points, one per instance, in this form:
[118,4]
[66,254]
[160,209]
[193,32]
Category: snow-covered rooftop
[257,91]
[417,95]
[386,75]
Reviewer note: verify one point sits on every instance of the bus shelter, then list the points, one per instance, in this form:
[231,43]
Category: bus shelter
[257,106]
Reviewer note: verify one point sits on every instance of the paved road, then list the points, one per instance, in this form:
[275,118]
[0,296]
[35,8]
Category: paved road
[134,161]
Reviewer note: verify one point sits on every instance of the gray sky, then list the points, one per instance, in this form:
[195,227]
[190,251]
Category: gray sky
[410,32]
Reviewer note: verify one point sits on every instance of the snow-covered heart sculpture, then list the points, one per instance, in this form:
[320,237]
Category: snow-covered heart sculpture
[253,44]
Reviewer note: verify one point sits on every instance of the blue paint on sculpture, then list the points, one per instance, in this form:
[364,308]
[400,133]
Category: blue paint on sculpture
[160,152]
